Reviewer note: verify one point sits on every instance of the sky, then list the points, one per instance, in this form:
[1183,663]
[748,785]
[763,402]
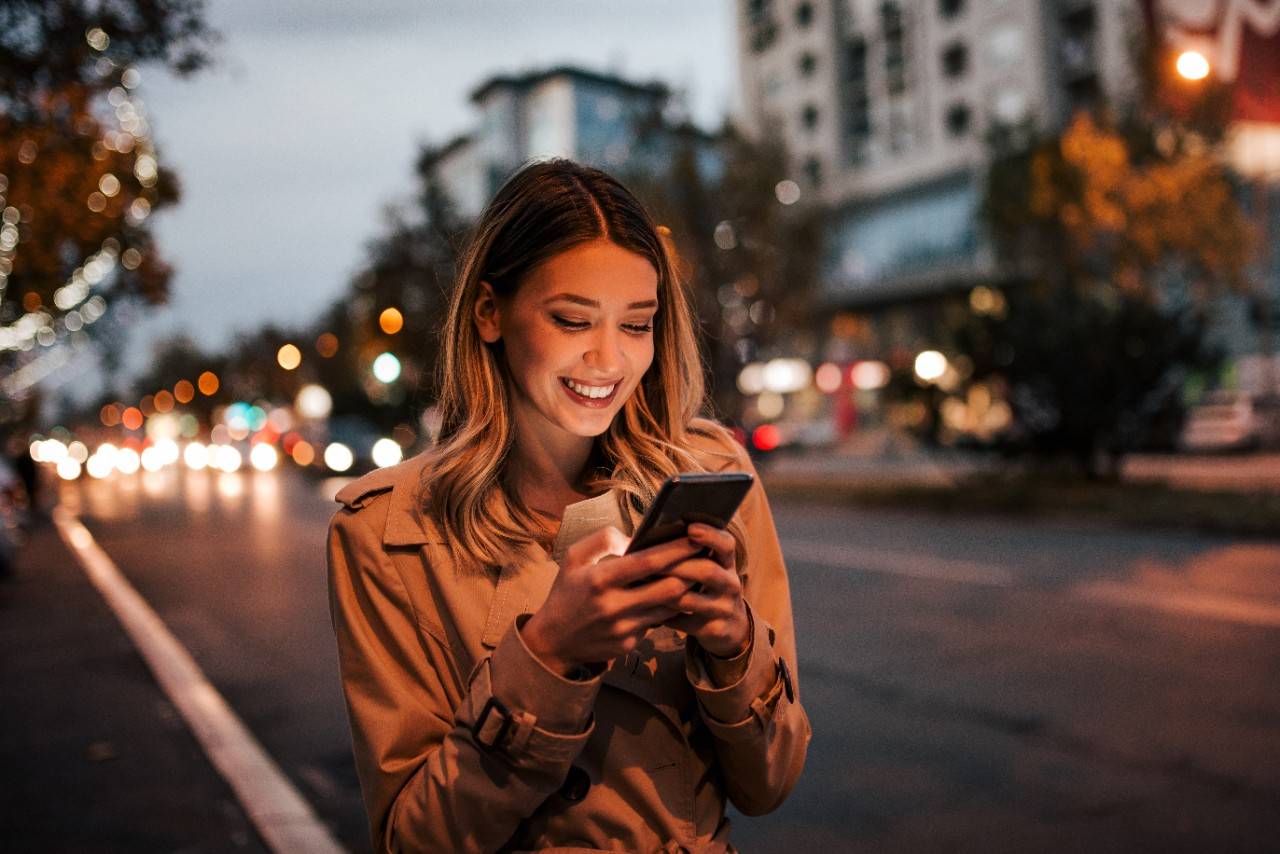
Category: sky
[289,150]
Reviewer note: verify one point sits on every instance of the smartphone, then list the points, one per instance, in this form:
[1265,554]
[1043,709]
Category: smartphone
[710,498]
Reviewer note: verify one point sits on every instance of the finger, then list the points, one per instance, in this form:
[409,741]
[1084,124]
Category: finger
[598,545]
[722,544]
[650,561]
[713,577]
[662,592]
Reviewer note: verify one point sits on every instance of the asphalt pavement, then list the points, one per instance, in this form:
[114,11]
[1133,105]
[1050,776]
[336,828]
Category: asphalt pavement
[975,684]
[95,757]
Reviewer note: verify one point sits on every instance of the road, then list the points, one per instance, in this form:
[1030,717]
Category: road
[974,684]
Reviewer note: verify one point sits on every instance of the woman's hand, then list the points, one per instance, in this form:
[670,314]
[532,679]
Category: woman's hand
[593,613]
[712,608]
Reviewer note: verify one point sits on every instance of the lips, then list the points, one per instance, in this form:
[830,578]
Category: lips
[590,402]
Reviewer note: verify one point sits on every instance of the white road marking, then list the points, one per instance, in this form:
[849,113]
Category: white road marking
[863,559]
[280,813]
[1234,609]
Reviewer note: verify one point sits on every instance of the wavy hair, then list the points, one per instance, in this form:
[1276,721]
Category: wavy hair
[542,210]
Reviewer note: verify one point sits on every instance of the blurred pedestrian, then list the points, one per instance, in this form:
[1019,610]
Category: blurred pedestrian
[510,685]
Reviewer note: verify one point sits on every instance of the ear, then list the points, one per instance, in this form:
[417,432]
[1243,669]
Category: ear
[487,315]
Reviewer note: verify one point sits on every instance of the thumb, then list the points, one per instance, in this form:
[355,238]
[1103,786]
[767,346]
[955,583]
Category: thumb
[606,542]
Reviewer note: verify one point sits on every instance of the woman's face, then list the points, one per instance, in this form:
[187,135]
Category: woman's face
[584,316]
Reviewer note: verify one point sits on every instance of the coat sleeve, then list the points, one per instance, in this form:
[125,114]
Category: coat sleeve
[761,731]
[439,775]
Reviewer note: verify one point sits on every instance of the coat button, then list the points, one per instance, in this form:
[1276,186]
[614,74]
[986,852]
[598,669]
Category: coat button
[575,785]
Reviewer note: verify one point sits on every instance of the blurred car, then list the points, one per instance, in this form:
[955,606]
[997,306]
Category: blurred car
[1223,421]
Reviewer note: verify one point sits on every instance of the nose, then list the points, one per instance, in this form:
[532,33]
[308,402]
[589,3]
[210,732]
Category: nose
[605,355]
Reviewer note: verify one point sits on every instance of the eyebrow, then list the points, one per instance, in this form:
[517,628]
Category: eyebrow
[574,298]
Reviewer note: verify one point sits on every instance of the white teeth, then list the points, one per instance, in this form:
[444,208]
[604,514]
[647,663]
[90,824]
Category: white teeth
[589,391]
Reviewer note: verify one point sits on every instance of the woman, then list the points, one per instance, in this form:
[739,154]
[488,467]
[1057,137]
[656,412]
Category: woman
[510,685]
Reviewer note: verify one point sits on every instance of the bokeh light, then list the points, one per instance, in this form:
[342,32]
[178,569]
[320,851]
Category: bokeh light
[69,469]
[386,368]
[327,345]
[313,402]
[226,458]
[828,377]
[391,321]
[930,365]
[127,461]
[131,418]
[208,383]
[1192,65]
[869,375]
[289,357]
[196,456]
[338,457]
[184,391]
[303,454]
[387,452]
[264,457]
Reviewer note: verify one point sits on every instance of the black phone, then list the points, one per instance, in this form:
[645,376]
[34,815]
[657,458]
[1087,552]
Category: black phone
[707,497]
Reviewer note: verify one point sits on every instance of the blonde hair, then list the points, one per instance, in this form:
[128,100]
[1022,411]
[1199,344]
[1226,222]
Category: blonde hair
[545,208]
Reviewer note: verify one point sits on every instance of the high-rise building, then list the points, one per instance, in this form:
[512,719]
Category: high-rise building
[886,105]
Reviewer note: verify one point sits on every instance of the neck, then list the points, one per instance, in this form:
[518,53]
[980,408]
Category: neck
[545,472]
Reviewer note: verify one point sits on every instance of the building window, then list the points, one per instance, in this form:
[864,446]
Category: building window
[958,117]
[955,60]
[807,64]
[895,46]
[855,101]
[809,117]
[950,8]
[813,171]
[804,15]
[762,28]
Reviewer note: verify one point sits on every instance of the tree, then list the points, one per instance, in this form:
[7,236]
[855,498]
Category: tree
[79,175]
[1115,238]
[751,260]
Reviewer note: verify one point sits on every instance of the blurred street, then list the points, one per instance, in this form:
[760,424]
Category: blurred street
[974,684]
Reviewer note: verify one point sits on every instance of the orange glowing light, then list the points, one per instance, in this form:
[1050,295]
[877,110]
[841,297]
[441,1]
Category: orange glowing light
[163,401]
[31,301]
[110,415]
[303,454]
[148,405]
[131,418]
[289,357]
[184,391]
[208,383]
[391,321]
[327,344]
[1192,65]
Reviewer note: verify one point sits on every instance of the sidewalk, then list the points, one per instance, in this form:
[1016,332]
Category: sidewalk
[880,461]
[95,757]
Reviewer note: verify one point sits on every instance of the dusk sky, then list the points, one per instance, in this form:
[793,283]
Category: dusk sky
[289,150]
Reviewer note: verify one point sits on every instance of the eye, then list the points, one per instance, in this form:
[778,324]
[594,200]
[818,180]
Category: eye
[566,323]
[639,328]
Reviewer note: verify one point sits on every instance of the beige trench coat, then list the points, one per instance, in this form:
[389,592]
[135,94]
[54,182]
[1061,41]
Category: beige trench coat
[464,741]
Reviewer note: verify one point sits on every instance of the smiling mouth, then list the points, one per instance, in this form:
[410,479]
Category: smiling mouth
[590,395]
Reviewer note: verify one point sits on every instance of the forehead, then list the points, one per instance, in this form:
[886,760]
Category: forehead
[598,270]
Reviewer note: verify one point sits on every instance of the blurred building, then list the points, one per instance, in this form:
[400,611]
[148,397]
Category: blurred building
[885,106]
[599,119]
